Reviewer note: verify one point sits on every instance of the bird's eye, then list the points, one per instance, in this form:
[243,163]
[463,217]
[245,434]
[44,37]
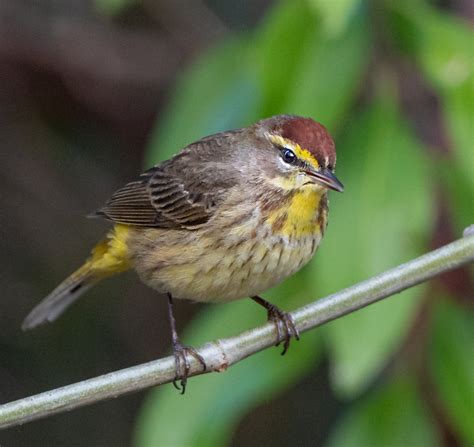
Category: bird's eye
[288,156]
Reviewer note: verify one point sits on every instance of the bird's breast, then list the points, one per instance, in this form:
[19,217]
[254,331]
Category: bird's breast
[255,251]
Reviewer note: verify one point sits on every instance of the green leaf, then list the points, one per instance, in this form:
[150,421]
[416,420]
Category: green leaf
[305,71]
[278,50]
[439,42]
[330,72]
[459,113]
[442,45]
[458,189]
[335,15]
[394,416]
[452,365]
[219,92]
[383,218]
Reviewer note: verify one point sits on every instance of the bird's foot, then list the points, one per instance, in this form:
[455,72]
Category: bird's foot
[285,326]
[181,357]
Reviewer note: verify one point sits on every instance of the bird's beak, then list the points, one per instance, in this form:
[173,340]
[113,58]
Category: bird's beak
[326,178]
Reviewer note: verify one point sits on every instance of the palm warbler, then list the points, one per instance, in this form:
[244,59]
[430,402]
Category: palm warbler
[228,217]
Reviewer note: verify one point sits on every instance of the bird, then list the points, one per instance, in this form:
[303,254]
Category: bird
[228,217]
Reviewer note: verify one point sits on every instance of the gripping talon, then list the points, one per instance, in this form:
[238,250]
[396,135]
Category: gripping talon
[183,366]
[286,328]
[284,323]
[279,329]
[181,353]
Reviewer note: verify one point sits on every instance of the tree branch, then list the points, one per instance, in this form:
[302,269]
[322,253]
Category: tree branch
[220,354]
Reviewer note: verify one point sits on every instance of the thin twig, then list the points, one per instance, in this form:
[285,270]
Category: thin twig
[219,355]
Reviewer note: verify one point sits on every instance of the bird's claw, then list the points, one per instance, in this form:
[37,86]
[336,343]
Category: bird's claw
[181,357]
[285,326]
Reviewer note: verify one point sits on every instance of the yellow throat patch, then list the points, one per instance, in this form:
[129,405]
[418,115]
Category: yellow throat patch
[300,217]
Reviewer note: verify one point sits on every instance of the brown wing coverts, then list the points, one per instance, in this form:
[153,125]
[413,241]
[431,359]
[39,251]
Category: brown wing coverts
[174,203]
[176,194]
[131,204]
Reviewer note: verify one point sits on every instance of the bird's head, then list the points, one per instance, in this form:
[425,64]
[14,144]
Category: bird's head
[300,152]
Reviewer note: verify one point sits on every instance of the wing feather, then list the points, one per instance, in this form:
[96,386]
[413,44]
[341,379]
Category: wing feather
[182,192]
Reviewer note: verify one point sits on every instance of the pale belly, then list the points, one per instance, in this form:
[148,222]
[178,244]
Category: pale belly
[241,263]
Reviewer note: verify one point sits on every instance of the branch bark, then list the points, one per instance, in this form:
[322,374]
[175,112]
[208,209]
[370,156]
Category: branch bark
[220,354]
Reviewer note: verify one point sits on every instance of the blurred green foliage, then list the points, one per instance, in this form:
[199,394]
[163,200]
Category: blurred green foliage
[452,365]
[338,65]
[386,418]
[379,234]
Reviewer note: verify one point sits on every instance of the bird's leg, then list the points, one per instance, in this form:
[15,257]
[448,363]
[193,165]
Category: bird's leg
[284,323]
[181,353]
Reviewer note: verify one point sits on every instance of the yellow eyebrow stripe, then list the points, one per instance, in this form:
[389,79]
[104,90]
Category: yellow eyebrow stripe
[302,154]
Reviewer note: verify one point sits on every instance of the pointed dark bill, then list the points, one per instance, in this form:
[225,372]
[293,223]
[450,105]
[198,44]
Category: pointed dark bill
[327,178]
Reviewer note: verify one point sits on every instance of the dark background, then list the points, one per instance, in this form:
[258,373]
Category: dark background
[82,86]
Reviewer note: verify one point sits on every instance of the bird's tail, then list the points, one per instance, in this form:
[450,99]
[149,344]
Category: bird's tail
[109,257]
